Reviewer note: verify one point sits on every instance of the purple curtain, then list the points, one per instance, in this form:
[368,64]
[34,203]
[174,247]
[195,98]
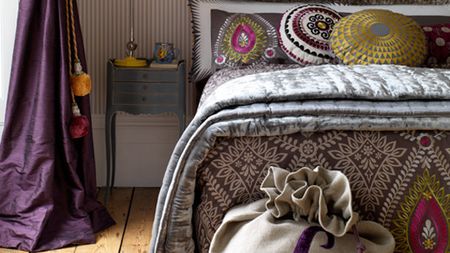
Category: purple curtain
[47,180]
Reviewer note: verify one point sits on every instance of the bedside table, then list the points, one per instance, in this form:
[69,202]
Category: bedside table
[140,91]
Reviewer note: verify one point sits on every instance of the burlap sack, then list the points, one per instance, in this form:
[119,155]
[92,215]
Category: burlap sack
[306,211]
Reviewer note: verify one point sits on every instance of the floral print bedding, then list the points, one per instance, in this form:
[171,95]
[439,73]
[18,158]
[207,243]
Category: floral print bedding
[385,126]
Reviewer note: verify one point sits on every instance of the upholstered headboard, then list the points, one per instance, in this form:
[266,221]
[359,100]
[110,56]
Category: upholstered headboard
[361,2]
[202,15]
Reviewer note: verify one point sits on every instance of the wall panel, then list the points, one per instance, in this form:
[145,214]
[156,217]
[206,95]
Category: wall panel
[106,30]
[144,144]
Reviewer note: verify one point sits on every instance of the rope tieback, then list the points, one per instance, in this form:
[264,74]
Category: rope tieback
[80,82]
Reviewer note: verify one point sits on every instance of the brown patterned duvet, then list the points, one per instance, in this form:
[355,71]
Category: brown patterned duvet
[386,127]
[380,166]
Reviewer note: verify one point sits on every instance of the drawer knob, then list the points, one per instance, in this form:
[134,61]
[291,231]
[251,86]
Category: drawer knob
[144,99]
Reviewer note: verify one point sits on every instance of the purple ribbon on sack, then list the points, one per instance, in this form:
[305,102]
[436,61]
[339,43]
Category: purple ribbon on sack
[306,239]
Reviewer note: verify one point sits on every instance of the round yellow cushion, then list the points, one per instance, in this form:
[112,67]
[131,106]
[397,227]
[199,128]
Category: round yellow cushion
[379,37]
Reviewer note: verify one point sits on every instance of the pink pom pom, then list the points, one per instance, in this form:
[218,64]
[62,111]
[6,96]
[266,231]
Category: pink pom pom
[79,127]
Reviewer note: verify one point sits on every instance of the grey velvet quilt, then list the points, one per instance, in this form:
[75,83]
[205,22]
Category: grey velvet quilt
[289,101]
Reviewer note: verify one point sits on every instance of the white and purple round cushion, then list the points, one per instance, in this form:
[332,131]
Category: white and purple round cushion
[305,31]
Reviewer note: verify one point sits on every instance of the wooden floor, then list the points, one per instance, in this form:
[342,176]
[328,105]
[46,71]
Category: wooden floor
[133,209]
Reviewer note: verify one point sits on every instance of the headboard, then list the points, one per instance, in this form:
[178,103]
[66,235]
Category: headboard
[201,20]
[357,2]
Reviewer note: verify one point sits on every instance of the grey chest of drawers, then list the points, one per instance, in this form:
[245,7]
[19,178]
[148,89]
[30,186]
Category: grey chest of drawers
[140,91]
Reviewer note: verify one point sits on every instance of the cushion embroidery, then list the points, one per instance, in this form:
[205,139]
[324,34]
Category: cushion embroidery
[438,37]
[245,39]
[379,37]
[305,32]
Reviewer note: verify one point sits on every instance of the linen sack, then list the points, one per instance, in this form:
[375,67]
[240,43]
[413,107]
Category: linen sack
[306,211]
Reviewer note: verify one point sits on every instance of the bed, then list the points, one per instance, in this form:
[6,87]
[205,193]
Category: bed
[385,126]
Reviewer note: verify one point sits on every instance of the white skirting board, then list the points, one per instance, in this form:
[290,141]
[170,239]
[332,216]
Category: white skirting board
[144,145]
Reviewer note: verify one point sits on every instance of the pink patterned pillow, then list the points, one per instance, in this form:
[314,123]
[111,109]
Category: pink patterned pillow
[438,37]
[245,40]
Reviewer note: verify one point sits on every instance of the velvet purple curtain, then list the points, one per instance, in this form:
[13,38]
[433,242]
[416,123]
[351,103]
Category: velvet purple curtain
[47,180]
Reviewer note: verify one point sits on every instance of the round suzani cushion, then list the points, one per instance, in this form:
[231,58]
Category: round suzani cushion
[379,37]
[245,39]
[438,37]
[305,32]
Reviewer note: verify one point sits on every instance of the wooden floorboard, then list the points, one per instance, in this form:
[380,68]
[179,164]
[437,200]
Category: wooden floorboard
[64,250]
[109,240]
[134,211]
[11,251]
[139,227]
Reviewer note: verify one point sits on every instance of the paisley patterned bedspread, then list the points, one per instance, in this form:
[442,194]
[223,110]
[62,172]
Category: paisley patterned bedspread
[384,126]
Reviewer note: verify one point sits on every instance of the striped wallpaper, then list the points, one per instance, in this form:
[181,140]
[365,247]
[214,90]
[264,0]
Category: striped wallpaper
[8,19]
[106,30]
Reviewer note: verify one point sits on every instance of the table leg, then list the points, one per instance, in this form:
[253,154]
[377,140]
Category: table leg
[110,151]
[113,147]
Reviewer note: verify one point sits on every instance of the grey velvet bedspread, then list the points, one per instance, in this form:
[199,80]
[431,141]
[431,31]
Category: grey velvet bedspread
[310,99]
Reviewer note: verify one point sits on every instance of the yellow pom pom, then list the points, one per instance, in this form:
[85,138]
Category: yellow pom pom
[80,83]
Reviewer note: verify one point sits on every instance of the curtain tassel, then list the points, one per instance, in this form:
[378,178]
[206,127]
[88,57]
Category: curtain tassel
[80,82]
[79,126]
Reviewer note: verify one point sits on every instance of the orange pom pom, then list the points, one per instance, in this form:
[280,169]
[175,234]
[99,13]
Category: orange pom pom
[80,83]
